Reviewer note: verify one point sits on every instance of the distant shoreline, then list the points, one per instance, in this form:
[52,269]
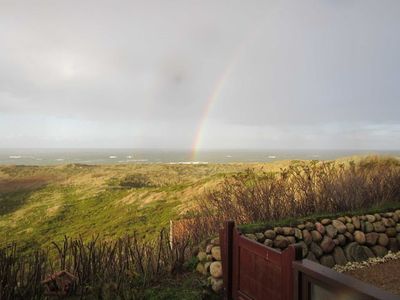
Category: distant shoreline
[51,157]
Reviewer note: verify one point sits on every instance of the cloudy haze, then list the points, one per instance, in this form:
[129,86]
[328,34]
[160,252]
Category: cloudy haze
[277,74]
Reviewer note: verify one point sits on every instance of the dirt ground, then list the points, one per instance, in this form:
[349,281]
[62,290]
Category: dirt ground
[385,276]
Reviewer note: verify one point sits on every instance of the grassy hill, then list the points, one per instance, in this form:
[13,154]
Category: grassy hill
[41,204]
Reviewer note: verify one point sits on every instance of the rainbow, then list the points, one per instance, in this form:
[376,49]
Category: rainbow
[218,86]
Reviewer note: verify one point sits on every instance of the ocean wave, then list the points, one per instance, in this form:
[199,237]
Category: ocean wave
[189,163]
[15,156]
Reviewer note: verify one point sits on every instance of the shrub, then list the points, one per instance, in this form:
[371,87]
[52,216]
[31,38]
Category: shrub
[302,189]
[120,269]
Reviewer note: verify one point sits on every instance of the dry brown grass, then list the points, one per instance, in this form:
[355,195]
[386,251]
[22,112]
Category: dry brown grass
[302,189]
[119,269]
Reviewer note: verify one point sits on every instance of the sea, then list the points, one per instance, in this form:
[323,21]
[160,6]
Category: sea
[168,156]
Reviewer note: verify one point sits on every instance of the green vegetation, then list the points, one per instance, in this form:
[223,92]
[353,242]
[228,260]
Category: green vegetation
[116,213]
[42,204]
[304,190]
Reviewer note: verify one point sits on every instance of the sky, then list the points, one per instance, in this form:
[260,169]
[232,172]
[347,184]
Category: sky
[207,74]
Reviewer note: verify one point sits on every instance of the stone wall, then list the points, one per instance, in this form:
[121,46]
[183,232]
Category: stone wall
[329,241]
[336,241]
[210,264]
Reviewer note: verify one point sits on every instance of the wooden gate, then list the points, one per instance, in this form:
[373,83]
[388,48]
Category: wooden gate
[254,271]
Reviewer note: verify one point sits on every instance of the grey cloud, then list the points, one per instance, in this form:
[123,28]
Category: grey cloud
[152,65]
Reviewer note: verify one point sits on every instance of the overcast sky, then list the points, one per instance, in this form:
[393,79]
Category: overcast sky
[280,74]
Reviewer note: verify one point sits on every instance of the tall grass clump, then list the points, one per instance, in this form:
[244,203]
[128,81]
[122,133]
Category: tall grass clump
[119,269]
[303,189]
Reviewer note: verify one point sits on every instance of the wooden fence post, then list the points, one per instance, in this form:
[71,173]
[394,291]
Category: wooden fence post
[226,241]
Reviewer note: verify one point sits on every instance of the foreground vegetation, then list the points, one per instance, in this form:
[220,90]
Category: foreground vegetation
[116,214]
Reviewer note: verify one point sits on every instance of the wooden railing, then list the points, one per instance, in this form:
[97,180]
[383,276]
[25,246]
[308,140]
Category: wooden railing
[253,271]
[313,281]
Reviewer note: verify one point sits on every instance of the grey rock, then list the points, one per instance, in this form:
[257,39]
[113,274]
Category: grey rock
[379,250]
[393,245]
[356,222]
[378,217]
[366,227]
[281,242]
[216,269]
[291,239]
[269,243]
[301,226]
[379,227]
[297,233]
[359,237]
[201,269]
[371,218]
[349,237]
[316,236]
[342,239]
[320,228]
[217,284]
[339,257]
[371,238]
[395,218]
[311,256]
[350,227]
[216,252]
[309,226]
[391,232]
[260,237]
[251,236]
[288,231]
[327,261]
[278,230]
[355,252]
[202,256]
[331,231]
[304,248]
[326,221]
[383,239]
[270,234]
[341,228]
[307,237]
[314,248]
[368,251]
[327,244]
[387,222]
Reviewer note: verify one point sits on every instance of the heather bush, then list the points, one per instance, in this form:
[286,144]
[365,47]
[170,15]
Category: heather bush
[302,189]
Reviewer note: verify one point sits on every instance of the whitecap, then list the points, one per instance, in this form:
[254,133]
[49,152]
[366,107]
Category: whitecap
[272,156]
[189,163]
[112,156]
[14,156]
[137,160]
